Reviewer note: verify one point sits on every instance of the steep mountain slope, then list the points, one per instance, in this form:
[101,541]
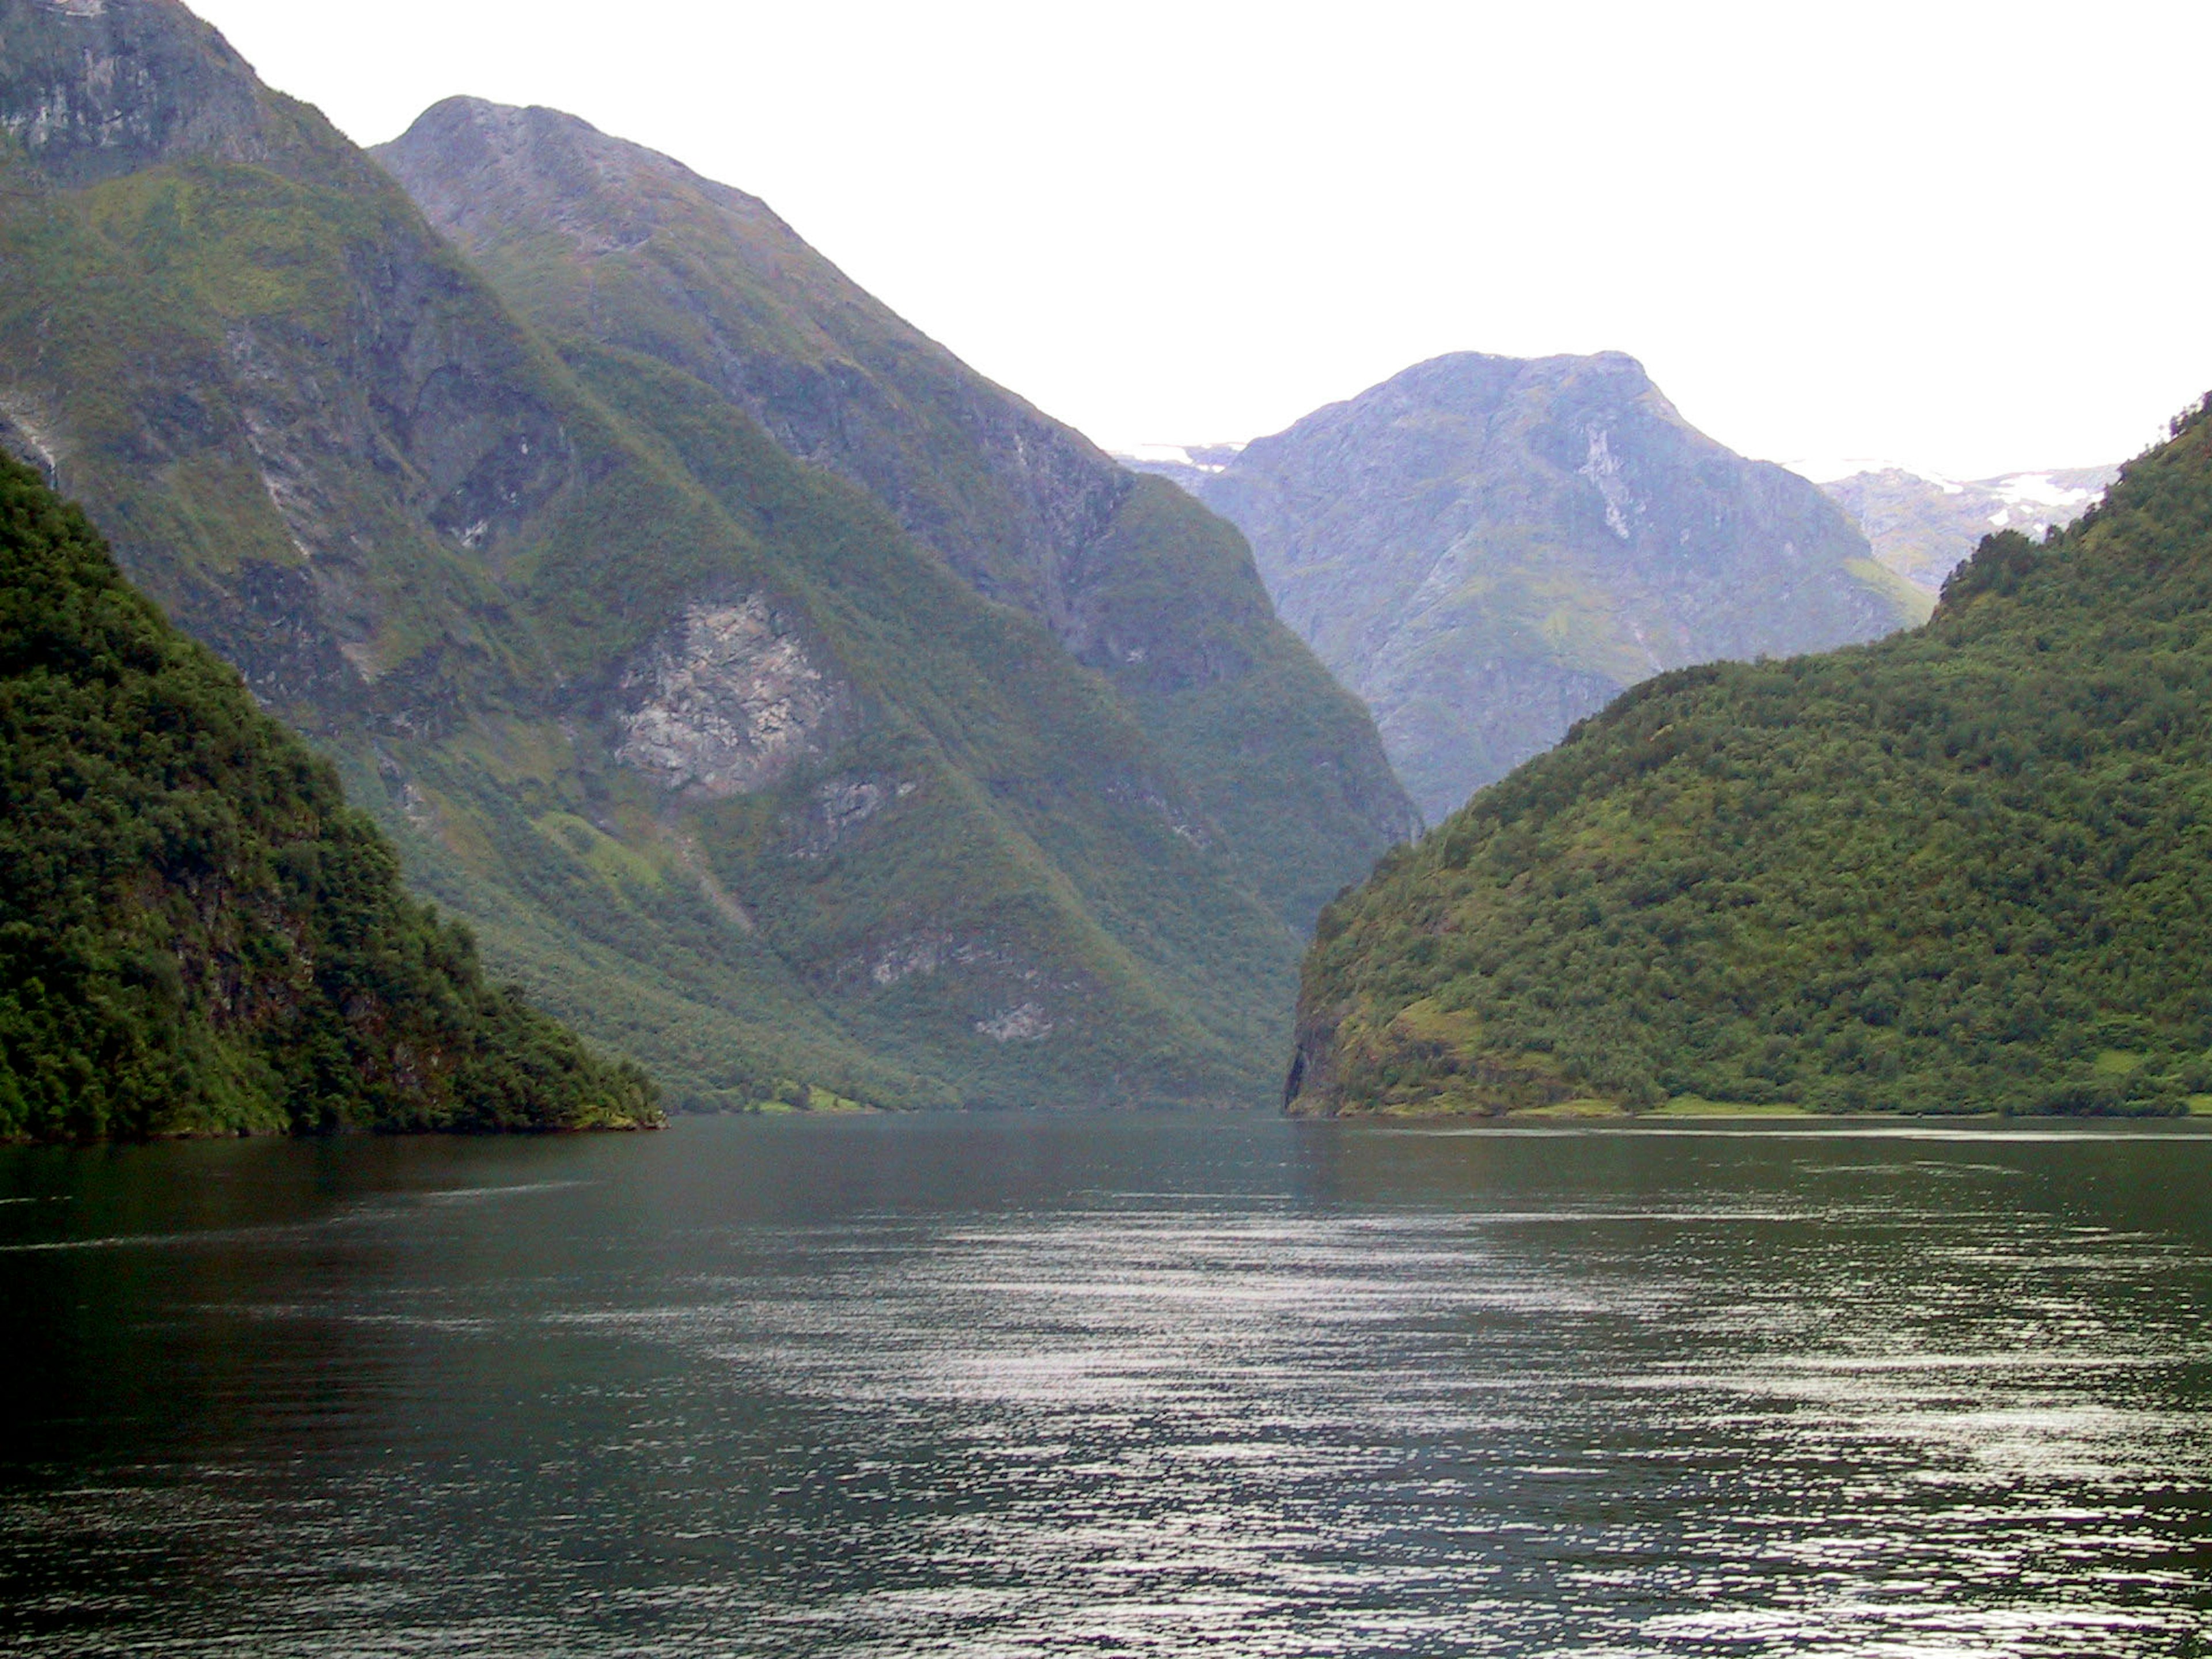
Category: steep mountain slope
[606,245]
[1924,528]
[1961,869]
[196,935]
[1487,549]
[718,760]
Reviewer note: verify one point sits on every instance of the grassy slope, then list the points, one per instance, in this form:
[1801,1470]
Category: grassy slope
[197,934]
[1961,869]
[1041,834]
[605,246]
[1062,763]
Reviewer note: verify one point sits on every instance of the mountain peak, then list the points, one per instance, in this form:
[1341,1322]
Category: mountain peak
[475,167]
[1488,549]
[1477,387]
[97,88]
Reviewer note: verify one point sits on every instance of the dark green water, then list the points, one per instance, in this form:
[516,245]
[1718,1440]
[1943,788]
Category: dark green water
[1159,1386]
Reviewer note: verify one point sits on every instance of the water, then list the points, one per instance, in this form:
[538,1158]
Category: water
[1151,1386]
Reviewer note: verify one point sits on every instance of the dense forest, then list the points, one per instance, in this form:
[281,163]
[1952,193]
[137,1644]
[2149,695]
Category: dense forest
[197,934]
[1964,869]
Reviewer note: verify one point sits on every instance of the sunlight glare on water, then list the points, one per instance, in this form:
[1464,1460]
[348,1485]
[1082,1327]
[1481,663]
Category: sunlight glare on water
[1162,1385]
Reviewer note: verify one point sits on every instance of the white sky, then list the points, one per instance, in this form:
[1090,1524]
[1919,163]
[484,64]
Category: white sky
[1971,238]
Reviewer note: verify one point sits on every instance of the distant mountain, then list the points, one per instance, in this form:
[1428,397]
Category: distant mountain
[1188,465]
[715,756]
[1958,869]
[1924,527]
[1489,549]
[197,934]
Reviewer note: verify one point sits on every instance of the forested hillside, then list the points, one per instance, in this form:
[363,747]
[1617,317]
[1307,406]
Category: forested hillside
[197,934]
[737,775]
[1966,869]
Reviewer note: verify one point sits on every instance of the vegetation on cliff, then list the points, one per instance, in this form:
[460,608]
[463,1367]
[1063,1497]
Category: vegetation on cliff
[735,774]
[1959,870]
[197,934]
[606,247]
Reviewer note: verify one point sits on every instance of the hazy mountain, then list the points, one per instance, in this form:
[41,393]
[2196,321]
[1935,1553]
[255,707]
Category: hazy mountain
[1190,466]
[1924,527]
[718,758]
[1488,549]
[1961,869]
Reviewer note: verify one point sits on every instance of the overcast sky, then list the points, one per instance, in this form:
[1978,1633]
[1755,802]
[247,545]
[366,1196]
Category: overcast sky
[1973,238]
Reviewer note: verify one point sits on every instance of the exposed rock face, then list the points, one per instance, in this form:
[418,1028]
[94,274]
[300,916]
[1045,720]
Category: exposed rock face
[96,89]
[694,733]
[1488,549]
[1923,527]
[709,278]
[1024,1022]
[601,241]
[1003,974]
[24,435]
[730,701]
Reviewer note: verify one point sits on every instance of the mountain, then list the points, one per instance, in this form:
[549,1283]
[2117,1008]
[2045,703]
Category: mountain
[1190,466]
[1487,549]
[1962,869]
[197,934]
[1924,527]
[716,757]
[636,267]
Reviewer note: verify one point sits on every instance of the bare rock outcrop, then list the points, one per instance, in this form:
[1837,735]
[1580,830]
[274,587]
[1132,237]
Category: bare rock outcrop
[727,700]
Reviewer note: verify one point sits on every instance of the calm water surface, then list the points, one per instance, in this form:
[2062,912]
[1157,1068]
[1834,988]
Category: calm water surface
[1151,1386]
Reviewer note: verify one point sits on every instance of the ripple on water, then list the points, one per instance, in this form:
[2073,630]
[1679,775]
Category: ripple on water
[1693,1400]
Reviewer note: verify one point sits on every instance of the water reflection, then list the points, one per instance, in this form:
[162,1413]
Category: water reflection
[1009,1386]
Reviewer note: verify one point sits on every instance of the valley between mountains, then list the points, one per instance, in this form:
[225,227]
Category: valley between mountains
[784,705]
[778,714]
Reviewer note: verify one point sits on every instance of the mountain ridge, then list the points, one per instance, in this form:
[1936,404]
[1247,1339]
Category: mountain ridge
[711,754]
[607,244]
[1924,526]
[1488,549]
[1955,870]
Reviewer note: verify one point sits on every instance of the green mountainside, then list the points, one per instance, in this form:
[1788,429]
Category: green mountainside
[197,934]
[728,769]
[1488,549]
[1962,869]
[614,251]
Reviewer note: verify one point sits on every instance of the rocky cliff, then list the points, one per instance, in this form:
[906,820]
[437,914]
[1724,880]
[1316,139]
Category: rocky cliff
[1488,549]
[719,759]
